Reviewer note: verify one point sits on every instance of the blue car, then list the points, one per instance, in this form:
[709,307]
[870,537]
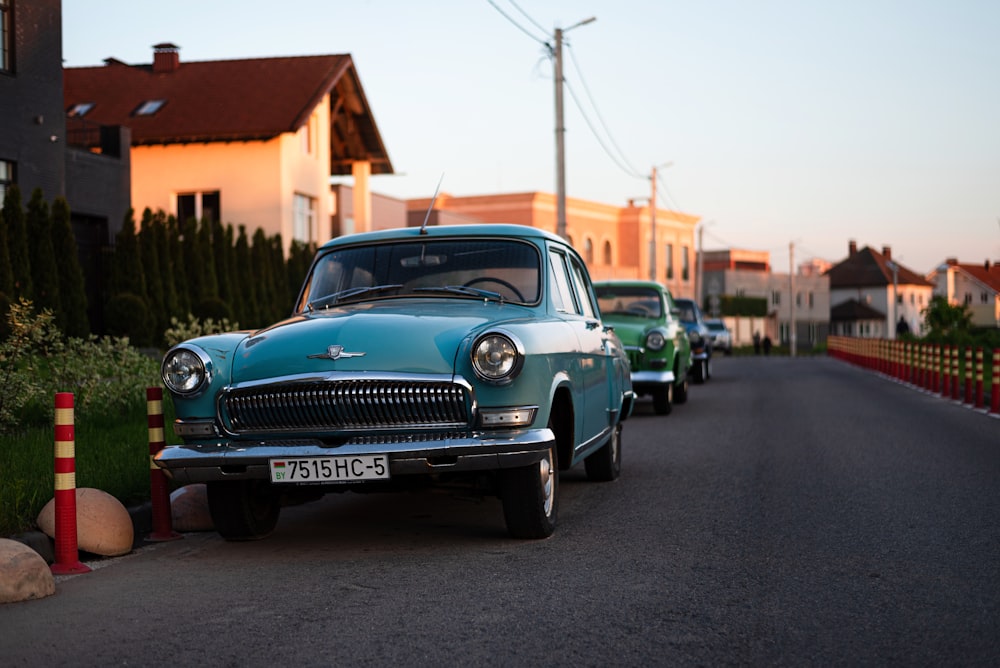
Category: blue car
[453,354]
[700,336]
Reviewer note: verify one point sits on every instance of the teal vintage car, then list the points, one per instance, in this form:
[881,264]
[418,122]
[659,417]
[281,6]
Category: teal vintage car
[446,354]
[647,322]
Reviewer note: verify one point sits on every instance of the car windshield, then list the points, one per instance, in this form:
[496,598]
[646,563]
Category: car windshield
[634,301]
[715,326]
[687,311]
[500,269]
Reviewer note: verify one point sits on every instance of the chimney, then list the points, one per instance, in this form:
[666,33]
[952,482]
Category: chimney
[986,265]
[887,252]
[852,247]
[166,57]
[952,262]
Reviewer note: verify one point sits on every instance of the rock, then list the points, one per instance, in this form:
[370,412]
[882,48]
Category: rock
[24,574]
[189,509]
[103,525]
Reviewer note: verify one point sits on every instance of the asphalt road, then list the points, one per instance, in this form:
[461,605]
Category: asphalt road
[794,512]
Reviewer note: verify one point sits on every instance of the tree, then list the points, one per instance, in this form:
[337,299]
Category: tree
[6,275]
[946,322]
[44,272]
[245,311]
[17,244]
[176,248]
[149,255]
[72,291]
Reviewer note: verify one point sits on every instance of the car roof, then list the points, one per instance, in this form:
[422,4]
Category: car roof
[447,231]
[630,283]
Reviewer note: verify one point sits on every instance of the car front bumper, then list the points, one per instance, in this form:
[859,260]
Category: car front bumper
[641,378]
[416,455]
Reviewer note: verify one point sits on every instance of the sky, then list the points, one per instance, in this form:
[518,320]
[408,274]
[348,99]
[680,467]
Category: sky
[791,126]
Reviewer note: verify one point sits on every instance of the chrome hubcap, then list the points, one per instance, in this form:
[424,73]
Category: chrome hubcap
[547,479]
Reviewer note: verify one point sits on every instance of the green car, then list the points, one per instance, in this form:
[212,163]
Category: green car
[453,355]
[646,320]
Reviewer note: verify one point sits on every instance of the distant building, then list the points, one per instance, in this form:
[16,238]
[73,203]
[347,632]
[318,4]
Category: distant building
[976,286]
[614,241]
[745,273]
[36,150]
[885,288]
[250,142]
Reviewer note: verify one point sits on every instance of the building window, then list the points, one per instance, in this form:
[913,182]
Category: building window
[911,298]
[984,298]
[588,251]
[304,217]
[149,107]
[775,297]
[968,299]
[685,263]
[798,300]
[80,110]
[899,298]
[812,301]
[783,332]
[6,36]
[6,178]
[200,206]
[607,253]
[670,262]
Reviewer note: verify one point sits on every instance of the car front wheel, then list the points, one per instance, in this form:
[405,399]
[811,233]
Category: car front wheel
[530,496]
[243,509]
[663,399]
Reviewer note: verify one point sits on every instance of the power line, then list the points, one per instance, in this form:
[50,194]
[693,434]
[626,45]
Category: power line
[593,104]
[518,25]
[593,130]
[525,15]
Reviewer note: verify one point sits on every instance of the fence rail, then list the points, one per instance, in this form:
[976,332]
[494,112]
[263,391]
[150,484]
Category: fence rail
[964,374]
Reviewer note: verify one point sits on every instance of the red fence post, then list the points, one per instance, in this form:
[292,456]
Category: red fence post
[67,553]
[945,370]
[995,388]
[159,494]
[969,374]
[979,378]
[954,374]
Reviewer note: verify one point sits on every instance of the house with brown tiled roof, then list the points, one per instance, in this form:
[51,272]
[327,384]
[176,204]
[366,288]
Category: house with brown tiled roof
[977,286]
[883,286]
[250,142]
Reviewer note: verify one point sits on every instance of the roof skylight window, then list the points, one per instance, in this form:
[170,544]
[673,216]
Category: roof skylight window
[149,107]
[80,110]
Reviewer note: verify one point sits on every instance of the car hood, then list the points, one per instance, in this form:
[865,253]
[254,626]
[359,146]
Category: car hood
[422,337]
[631,331]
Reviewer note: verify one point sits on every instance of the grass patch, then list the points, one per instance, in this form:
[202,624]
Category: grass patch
[112,454]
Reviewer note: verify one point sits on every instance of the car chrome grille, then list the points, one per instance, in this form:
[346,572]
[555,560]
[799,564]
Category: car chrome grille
[331,405]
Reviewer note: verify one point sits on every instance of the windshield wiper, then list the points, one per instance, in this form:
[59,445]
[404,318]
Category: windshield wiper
[463,290]
[336,297]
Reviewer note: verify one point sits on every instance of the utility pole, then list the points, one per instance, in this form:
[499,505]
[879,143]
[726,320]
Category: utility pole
[699,271]
[652,229]
[791,298]
[561,130]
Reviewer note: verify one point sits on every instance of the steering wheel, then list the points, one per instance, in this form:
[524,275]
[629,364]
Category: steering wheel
[498,281]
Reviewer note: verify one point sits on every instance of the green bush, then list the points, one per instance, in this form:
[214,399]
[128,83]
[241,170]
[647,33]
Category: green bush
[193,327]
[108,379]
[127,315]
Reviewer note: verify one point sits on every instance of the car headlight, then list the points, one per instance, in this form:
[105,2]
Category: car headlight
[497,357]
[186,370]
[655,340]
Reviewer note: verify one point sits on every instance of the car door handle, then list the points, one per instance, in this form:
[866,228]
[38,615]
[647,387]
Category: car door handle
[593,324]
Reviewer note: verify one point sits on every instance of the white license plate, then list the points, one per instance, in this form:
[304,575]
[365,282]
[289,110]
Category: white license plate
[343,468]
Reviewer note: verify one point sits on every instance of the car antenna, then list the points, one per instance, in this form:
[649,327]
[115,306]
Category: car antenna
[423,228]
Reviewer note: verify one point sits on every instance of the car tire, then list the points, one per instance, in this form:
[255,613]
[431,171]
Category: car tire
[681,392]
[699,371]
[708,368]
[663,398]
[243,509]
[605,465]
[530,497]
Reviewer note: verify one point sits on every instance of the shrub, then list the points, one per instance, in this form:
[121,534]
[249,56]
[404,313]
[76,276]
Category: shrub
[127,315]
[212,308]
[193,327]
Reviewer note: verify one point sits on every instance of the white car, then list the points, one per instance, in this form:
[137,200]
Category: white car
[721,338]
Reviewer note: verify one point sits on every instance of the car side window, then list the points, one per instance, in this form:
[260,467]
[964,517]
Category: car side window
[562,292]
[583,292]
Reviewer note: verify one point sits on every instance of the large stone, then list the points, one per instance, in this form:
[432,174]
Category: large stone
[24,574]
[189,509]
[103,525]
